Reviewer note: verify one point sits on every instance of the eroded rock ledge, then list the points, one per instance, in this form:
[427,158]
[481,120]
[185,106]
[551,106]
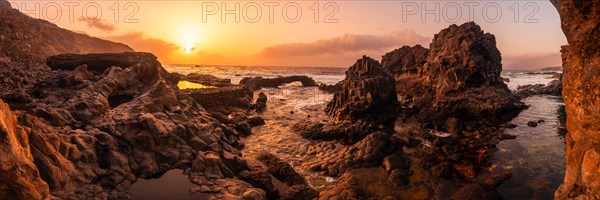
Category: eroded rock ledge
[92,135]
[553,88]
[206,79]
[259,82]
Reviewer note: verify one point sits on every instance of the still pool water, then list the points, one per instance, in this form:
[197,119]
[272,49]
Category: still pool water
[171,185]
[537,156]
[191,85]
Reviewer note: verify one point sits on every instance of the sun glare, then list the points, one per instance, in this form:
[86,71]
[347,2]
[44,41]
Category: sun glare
[188,49]
[190,37]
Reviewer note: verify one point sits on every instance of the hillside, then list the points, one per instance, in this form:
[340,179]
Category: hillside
[25,39]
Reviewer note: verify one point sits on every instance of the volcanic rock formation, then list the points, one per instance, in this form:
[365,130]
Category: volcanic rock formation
[460,79]
[405,60]
[259,82]
[206,79]
[462,57]
[368,94]
[581,92]
[20,177]
[95,138]
[553,88]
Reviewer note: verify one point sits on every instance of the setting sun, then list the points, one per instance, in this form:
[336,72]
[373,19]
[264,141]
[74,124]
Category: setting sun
[188,48]
[308,99]
[189,38]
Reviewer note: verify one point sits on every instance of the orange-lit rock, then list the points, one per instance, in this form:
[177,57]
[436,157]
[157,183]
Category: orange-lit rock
[581,92]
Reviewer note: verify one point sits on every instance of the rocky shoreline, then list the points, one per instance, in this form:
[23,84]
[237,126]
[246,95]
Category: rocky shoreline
[422,124]
[106,120]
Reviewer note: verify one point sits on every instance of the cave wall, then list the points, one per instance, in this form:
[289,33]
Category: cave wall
[580,21]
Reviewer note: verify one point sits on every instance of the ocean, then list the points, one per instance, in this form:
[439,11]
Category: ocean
[326,75]
[536,157]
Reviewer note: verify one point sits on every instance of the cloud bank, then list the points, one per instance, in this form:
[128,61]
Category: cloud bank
[347,43]
[138,41]
[339,51]
[98,23]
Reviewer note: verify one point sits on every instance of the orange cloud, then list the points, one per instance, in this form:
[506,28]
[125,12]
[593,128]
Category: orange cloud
[346,44]
[138,41]
[340,51]
[98,23]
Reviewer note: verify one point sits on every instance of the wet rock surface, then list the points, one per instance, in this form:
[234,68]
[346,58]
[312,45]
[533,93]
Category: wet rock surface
[207,79]
[223,101]
[100,122]
[259,82]
[580,23]
[449,95]
[553,88]
[345,132]
[281,170]
[261,103]
[96,138]
[331,88]
[368,152]
[231,106]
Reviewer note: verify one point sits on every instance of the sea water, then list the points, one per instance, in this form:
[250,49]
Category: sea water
[536,157]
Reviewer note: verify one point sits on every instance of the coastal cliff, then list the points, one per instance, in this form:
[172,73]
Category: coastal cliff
[581,92]
[28,40]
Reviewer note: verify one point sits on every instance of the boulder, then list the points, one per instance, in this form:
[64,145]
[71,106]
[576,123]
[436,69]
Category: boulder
[368,93]
[258,175]
[398,177]
[261,102]
[281,170]
[461,57]
[393,162]
[224,100]
[300,192]
[460,80]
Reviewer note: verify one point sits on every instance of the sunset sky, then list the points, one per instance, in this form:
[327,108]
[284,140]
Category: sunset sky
[193,32]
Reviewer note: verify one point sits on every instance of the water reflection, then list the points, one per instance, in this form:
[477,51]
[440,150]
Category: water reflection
[191,85]
[171,185]
[537,156]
